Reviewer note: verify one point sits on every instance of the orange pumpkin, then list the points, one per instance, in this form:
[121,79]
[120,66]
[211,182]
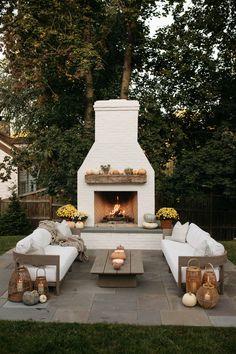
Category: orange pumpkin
[118,254]
[141,171]
[117,263]
[115,172]
[71,224]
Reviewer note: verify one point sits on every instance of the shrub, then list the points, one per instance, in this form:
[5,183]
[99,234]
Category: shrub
[14,221]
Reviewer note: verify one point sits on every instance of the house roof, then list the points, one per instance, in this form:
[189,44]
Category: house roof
[7,144]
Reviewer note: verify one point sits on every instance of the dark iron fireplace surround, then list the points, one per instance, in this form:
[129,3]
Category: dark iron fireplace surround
[115,207]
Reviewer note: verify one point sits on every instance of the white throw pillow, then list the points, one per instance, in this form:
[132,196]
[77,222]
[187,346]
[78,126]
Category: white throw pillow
[215,248]
[63,228]
[40,238]
[196,235]
[24,245]
[202,249]
[179,232]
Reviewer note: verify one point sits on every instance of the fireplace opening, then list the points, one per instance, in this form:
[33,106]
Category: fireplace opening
[115,208]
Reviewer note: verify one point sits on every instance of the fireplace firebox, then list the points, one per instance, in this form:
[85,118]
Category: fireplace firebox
[115,207]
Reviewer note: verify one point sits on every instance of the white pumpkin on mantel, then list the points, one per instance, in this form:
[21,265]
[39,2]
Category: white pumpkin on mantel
[189,299]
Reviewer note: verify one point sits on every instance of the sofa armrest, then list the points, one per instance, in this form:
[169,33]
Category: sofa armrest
[216,261]
[40,260]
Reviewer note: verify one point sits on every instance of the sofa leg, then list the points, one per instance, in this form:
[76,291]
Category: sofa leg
[57,289]
[221,288]
[221,280]
[180,292]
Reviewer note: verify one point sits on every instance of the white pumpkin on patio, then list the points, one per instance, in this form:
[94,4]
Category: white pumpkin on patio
[42,298]
[189,299]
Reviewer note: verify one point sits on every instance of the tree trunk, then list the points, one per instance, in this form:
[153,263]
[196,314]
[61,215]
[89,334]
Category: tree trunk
[127,67]
[89,95]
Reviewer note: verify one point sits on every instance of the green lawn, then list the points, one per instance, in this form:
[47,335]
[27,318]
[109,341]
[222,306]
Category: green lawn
[34,337]
[230,247]
[8,242]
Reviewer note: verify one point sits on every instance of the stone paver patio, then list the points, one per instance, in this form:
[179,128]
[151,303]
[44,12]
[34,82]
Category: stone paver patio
[154,301]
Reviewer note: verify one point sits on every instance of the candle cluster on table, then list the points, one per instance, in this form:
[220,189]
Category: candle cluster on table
[118,257]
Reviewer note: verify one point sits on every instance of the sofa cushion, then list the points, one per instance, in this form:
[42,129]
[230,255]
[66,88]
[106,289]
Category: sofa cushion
[24,245]
[40,238]
[67,256]
[179,232]
[63,228]
[202,250]
[214,248]
[38,250]
[196,235]
[172,250]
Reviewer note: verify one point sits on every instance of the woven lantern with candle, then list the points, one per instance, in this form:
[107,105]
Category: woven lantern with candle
[19,282]
[209,275]
[193,276]
[207,296]
[41,284]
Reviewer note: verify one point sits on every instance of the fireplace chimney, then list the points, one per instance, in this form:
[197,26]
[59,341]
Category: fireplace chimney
[116,144]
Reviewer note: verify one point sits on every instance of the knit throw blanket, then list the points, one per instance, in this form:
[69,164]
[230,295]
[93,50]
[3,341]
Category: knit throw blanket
[59,239]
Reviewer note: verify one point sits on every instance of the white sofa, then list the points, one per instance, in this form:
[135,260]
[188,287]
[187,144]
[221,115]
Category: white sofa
[190,241]
[35,251]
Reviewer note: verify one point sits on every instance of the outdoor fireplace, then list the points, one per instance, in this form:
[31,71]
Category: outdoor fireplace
[115,207]
[116,144]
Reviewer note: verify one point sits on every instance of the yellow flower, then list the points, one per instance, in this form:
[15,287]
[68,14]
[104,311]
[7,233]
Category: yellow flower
[167,214]
[81,216]
[70,212]
[67,211]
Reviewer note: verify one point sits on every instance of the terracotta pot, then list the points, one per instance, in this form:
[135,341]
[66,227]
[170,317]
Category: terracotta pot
[166,224]
[71,224]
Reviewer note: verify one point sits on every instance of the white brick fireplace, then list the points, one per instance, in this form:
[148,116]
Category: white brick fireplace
[116,144]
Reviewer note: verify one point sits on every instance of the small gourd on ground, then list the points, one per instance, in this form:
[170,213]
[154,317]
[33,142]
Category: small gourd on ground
[189,299]
[30,298]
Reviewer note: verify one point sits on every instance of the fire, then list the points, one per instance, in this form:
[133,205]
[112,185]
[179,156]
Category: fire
[117,211]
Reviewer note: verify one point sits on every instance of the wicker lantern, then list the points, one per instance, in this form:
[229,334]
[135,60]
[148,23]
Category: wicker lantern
[209,275]
[41,284]
[19,282]
[207,296]
[193,277]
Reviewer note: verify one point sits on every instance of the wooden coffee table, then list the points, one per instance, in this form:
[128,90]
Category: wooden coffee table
[125,277]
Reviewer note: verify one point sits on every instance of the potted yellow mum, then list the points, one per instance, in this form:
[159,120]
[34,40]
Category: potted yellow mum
[167,216]
[71,214]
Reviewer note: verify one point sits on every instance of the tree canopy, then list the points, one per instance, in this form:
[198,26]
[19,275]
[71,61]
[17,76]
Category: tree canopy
[63,55]
[190,78]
